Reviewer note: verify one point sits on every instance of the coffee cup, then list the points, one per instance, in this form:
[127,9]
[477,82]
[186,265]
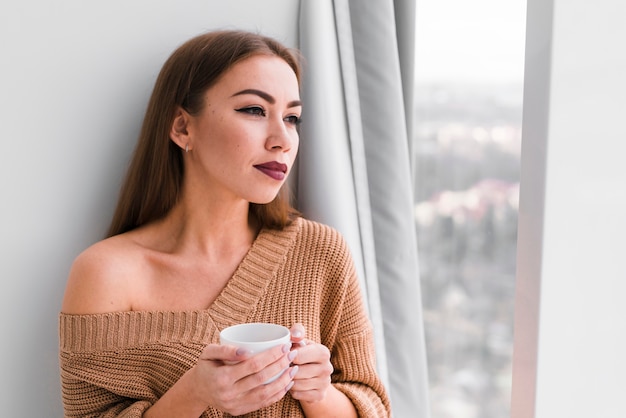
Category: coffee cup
[256,337]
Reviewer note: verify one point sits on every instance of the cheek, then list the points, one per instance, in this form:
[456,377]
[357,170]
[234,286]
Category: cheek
[225,140]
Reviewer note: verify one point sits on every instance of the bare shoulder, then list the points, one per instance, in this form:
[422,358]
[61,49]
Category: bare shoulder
[100,277]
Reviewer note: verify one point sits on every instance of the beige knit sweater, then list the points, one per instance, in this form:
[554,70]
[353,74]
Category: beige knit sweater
[118,364]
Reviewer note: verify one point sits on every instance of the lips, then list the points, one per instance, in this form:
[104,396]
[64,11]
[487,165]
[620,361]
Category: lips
[273,169]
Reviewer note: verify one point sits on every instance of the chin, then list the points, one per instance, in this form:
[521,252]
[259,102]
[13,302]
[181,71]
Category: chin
[263,200]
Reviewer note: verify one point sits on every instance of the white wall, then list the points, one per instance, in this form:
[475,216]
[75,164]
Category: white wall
[74,81]
[570,342]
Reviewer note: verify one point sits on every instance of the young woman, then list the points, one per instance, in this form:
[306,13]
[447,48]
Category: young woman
[204,237]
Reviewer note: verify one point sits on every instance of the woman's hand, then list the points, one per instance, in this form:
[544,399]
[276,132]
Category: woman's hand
[232,380]
[312,377]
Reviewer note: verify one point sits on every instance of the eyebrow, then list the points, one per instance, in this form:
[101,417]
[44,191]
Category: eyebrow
[267,97]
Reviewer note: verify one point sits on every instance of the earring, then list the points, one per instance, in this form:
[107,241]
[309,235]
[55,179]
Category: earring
[187,148]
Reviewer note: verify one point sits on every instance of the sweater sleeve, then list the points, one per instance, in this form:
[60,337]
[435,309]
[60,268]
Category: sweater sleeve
[120,364]
[352,348]
[94,387]
[356,377]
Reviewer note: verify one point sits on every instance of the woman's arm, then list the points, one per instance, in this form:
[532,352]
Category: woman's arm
[347,332]
[113,383]
[312,381]
[233,388]
[334,404]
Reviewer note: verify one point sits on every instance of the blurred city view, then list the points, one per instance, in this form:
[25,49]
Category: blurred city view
[467,145]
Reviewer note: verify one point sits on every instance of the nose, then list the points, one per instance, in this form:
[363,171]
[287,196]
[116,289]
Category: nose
[280,136]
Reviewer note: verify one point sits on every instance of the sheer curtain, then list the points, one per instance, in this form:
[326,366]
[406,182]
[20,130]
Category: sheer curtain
[354,171]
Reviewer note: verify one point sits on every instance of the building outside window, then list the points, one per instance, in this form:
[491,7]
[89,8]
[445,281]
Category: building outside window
[467,143]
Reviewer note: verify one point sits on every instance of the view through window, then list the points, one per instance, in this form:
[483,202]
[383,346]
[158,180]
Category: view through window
[467,143]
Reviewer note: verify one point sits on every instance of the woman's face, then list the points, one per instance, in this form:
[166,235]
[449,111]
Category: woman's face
[244,141]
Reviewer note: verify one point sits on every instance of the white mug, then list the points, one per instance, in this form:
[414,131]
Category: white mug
[256,337]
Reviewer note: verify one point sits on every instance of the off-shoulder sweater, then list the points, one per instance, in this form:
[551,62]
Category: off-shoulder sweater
[118,364]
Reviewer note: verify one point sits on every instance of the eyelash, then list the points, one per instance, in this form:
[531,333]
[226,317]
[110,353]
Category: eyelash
[252,110]
[259,111]
[294,120]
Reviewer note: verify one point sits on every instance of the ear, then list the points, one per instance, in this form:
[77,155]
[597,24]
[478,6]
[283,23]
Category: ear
[179,132]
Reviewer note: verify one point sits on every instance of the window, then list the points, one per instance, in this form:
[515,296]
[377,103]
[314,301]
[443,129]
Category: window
[467,143]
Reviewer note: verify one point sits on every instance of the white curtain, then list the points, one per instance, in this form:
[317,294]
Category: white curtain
[354,171]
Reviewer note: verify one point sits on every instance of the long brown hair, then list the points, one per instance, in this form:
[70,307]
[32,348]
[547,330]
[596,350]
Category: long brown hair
[154,179]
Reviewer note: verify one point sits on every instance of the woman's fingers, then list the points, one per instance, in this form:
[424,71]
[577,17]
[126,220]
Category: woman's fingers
[239,382]
[260,396]
[264,367]
[311,388]
[312,353]
[313,377]
[223,353]
[298,333]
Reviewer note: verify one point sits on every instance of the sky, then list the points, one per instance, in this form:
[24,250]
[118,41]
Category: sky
[470,40]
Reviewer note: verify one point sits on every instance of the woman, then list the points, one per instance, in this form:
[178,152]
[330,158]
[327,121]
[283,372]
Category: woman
[204,237]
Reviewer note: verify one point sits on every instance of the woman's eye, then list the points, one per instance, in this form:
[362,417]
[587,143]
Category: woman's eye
[293,119]
[252,110]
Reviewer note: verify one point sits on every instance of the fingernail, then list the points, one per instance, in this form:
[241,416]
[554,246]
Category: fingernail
[297,334]
[293,372]
[292,355]
[289,386]
[241,351]
[286,347]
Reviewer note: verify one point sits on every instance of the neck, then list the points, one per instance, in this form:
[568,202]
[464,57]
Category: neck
[210,231]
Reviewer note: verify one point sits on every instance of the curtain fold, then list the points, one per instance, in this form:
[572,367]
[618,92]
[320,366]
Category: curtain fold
[355,169]
[329,189]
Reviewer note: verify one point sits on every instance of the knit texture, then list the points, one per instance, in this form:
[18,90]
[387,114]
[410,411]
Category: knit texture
[118,364]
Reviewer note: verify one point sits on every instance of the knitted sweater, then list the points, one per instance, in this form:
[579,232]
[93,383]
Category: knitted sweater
[118,364]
